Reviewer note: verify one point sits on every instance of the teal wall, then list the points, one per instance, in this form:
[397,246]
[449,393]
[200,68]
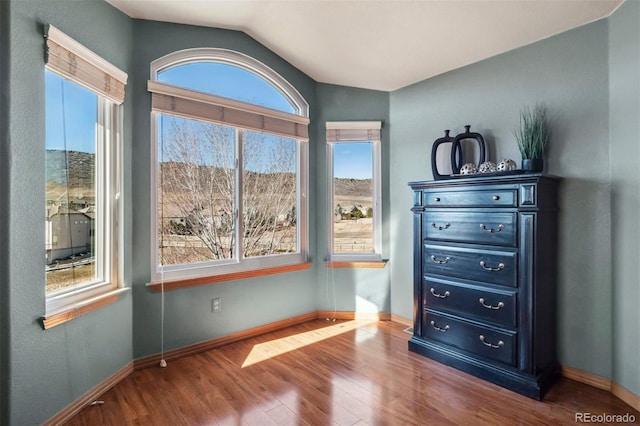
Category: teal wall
[49,369]
[4,210]
[245,303]
[624,139]
[361,290]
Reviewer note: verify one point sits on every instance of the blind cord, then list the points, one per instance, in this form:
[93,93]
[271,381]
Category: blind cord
[163,362]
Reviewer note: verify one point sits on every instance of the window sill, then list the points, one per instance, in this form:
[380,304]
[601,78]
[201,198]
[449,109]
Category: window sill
[81,308]
[357,264]
[213,279]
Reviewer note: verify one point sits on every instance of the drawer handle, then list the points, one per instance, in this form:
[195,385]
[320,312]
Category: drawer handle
[492,230]
[441,262]
[437,199]
[495,197]
[499,306]
[441,296]
[489,268]
[446,327]
[500,342]
[440,228]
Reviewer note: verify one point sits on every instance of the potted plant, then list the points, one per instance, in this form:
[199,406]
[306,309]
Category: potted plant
[533,136]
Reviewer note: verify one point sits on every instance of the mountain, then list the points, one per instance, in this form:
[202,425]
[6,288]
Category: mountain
[81,168]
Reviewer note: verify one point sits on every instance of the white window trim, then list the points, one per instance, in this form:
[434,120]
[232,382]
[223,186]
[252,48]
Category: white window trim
[108,179]
[109,126]
[220,267]
[357,132]
[237,59]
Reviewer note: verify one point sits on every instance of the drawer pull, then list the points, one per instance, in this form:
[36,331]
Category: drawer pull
[492,230]
[437,199]
[440,228]
[500,342]
[441,262]
[499,306]
[441,296]
[492,269]
[495,197]
[446,327]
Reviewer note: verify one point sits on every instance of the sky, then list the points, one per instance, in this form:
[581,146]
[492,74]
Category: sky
[77,130]
[351,160]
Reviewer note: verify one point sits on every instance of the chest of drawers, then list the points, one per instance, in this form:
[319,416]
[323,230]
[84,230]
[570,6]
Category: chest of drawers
[485,277]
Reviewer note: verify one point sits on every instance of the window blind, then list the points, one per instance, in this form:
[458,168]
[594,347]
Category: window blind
[338,131]
[74,61]
[173,100]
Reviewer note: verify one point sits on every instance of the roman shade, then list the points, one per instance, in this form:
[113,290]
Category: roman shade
[75,62]
[191,104]
[353,131]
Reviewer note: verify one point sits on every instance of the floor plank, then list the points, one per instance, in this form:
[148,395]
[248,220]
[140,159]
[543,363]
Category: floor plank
[356,372]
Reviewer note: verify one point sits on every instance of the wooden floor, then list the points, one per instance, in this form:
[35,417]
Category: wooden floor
[324,373]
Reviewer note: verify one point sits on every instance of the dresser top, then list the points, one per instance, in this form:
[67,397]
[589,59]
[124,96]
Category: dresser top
[506,178]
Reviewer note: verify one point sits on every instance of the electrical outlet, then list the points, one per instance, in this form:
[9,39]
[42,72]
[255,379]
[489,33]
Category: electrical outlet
[216,304]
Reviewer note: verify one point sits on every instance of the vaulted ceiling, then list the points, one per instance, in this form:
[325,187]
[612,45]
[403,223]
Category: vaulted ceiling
[380,44]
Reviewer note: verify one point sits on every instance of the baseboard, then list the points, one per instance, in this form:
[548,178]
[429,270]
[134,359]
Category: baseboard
[586,378]
[347,315]
[626,395]
[74,408]
[402,320]
[602,383]
[174,354]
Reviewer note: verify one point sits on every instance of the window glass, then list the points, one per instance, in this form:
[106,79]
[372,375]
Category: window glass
[196,200]
[72,198]
[353,198]
[269,194]
[228,81]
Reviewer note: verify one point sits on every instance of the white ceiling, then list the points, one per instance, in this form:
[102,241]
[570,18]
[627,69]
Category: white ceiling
[380,44]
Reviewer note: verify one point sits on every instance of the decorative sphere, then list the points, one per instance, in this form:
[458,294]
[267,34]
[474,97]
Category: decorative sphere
[468,169]
[487,167]
[506,165]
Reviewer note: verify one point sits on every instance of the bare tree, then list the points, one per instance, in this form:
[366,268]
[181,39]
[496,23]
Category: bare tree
[198,186]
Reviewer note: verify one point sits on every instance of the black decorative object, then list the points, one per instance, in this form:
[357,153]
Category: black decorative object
[458,150]
[442,149]
[449,154]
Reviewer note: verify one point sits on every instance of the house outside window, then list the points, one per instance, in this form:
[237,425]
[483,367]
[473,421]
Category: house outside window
[230,166]
[354,171]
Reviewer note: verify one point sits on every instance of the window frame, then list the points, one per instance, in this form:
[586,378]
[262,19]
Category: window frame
[356,132]
[160,273]
[66,304]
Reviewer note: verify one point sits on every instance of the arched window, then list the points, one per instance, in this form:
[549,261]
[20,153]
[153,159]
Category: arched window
[230,171]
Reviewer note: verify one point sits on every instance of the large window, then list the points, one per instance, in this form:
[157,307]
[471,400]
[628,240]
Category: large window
[83,94]
[354,190]
[229,166]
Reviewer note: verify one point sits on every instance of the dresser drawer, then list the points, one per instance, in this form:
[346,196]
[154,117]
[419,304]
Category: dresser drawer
[490,266]
[484,341]
[477,198]
[498,307]
[496,228]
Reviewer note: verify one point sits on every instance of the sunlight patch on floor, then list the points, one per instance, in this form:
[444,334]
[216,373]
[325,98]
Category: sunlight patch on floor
[273,348]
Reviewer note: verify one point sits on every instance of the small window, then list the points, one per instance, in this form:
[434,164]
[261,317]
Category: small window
[83,94]
[230,168]
[354,190]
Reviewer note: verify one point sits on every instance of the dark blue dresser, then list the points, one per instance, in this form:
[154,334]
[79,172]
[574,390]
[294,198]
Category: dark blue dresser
[485,255]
